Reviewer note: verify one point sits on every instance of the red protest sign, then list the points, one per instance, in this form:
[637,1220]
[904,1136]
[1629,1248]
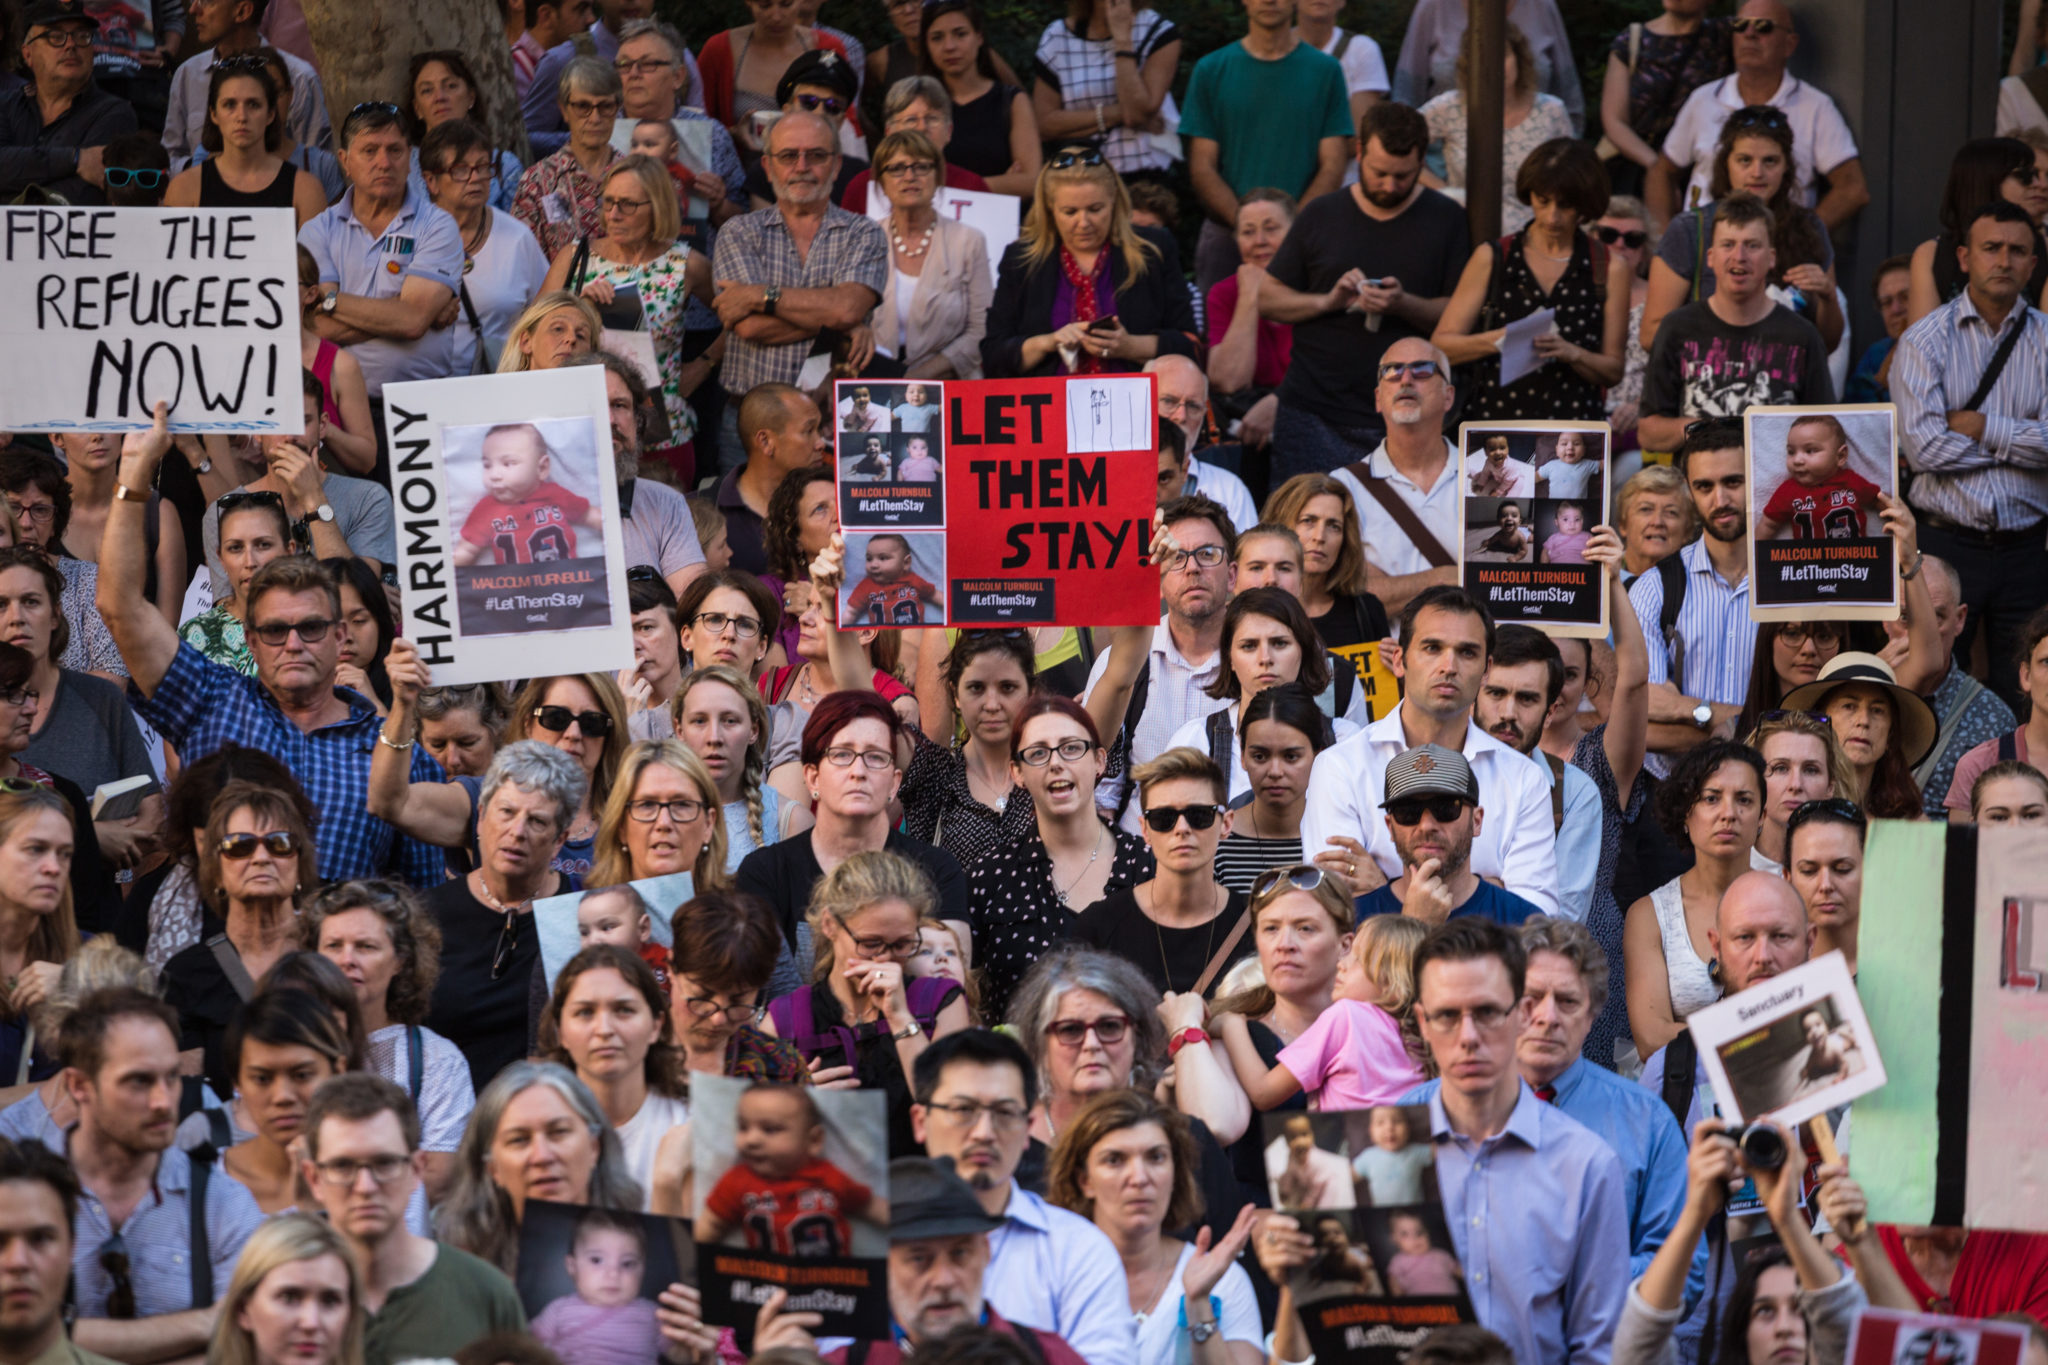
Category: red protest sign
[998,502]
[1884,1336]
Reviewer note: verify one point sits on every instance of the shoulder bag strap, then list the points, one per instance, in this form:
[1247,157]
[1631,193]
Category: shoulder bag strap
[1998,359]
[476,326]
[28,1050]
[1344,46]
[1681,1060]
[231,966]
[415,1061]
[201,1247]
[579,266]
[1230,941]
[1947,734]
[1671,569]
[1404,517]
[1556,789]
[1218,727]
[2009,747]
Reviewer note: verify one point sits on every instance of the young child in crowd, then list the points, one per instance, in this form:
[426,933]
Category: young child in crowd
[1392,1166]
[1420,1267]
[890,595]
[1567,544]
[1822,498]
[1356,1054]
[524,517]
[1512,539]
[940,955]
[619,915]
[605,1322]
[656,137]
[711,533]
[1571,474]
[782,1192]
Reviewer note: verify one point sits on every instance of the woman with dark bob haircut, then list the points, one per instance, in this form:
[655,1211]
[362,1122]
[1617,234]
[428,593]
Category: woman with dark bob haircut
[1984,171]
[1554,262]
[1714,801]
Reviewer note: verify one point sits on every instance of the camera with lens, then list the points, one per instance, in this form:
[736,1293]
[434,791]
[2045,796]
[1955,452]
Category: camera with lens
[1762,1146]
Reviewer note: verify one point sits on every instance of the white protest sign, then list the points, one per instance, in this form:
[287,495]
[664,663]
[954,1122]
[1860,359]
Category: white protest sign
[511,557]
[105,311]
[994,215]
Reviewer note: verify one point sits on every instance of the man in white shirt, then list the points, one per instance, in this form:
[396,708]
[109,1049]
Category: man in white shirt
[1184,401]
[1822,144]
[1446,643]
[1414,466]
[1049,1269]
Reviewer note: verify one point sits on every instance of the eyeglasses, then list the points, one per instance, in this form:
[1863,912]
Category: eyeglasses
[1109,1030]
[1163,819]
[1486,1018]
[594,724]
[1071,750]
[1631,238]
[1002,1117]
[645,66]
[1300,877]
[113,1258]
[830,105]
[873,759]
[1207,556]
[342,1172]
[141,177]
[718,623]
[682,810]
[791,157]
[875,949]
[1812,717]
[1173,406]
[311,631]
[1799,632]
[1411,369]
[1075,156]
[280,843]
[38,512]
[1762,28]
[612,203]
[592,108]
[1442,809]
[705,1007]
[17,696]
[467,172]
[899,169]
[508,943]
[62,38]
[1839,807]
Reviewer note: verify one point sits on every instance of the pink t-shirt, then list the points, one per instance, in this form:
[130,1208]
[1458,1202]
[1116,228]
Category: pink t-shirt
[1273,347]
[1971,766]
[1352,1057]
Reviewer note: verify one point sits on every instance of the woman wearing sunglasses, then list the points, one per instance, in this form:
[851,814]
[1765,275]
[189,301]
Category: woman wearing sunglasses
[256,860]
[1083,290]
[244,126]
[1753,156]
[1627,230]
[865,1020]
[1983,171]
[743,67]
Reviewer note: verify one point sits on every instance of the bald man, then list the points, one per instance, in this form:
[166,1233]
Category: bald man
[780,429]
[1184,401]
[1822,145]
[1416,464]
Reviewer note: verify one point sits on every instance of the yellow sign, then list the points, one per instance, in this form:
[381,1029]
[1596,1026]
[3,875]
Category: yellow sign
[1382,688]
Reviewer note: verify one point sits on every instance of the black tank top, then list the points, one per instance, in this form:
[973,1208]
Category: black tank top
[216,193]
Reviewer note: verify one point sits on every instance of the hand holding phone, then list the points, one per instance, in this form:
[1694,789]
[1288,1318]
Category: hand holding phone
[1104,324]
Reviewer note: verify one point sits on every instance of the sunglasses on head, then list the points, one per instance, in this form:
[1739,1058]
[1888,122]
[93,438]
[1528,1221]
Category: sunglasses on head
[281,843]
[1075,156]
[1631,238]
[1300,877]
[1163,819]
[594,724]
[643,573]
[148,178]
[1759,115]
[1442,809]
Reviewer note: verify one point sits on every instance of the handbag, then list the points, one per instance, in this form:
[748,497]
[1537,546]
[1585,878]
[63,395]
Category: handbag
[1605,148]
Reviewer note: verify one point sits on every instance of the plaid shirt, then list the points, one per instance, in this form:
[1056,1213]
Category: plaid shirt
[557,200]
[756,248]
[200,706]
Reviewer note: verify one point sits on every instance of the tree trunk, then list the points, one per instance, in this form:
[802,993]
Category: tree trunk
[363,47]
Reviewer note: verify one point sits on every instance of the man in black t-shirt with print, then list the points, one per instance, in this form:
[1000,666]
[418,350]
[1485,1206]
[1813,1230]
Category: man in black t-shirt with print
[1735,348]
[1362,268]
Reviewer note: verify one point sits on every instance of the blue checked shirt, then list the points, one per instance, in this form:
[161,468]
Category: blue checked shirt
[200,706]
[158,1239]
[2001,482]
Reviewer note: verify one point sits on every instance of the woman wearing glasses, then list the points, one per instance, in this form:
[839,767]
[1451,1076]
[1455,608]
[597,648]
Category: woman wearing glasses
[443,90]
[743,67]
[244,125]
[640,251]
[1983,171]
[662,818]
[256,860]
[935,304]
[296,1298]
[502,266]
[865,1020]
[729,618]
[608,1020]
[1753,156]
[558,196]
[1083,290]
[1128,1164]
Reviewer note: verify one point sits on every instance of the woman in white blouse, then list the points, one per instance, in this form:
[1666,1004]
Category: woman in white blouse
[935,305]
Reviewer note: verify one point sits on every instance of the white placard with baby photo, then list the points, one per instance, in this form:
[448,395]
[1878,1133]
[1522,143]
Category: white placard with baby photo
[1817,481]
[1791,1046]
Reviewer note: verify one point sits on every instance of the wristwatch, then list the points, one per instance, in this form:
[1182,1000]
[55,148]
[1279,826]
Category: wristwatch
[1703,715]
[1199,1332]
[770,296]
[303,527]
[327,302]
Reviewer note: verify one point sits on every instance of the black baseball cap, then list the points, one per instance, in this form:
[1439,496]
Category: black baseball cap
[927,1199]
[47,13]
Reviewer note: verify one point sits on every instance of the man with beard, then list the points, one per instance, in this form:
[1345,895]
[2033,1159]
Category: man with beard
[1406,492]
[655,518]
[1432,813]
[1412,239]
[1521,686]
[38,1205]
[1700,654]
[788,272]
[1048,1268]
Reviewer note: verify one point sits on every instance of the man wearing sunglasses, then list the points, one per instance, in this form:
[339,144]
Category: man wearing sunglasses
[1404,554]
[54,129]
[143,1293]
[1432,813]
[820,82]
[229,28]
[1822,145]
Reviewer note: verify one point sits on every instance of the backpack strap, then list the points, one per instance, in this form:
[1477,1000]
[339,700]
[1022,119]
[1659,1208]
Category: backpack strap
[1671,569]
[1556,790]
[415,1062]
[1224,949]
[1681,1061]
[1220,732]
[1127,737]
[1033,1347]
[1396,506]
[201,1246]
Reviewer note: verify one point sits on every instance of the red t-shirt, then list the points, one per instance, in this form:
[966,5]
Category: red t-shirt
[1996,1272]
[890,604]
[540,528]
[803,1216]
[1829,511]
[1273,345]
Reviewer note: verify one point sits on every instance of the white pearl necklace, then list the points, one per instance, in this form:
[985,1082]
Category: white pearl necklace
[924,243]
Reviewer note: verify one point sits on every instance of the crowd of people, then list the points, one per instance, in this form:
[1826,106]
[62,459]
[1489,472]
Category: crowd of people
[1083,904]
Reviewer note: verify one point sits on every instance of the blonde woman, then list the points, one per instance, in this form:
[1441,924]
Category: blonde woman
[1319,509]
[640,251]
[1121,305]
[296,1299]
[38,927]
[554,327]
[865,1020]
[663,816]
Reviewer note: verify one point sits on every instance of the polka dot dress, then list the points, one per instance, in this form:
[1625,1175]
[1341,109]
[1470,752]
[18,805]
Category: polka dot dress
[1017,917]
[1555,392]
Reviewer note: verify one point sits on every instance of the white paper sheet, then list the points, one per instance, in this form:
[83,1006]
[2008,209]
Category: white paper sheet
[1109,413]
[1518,345]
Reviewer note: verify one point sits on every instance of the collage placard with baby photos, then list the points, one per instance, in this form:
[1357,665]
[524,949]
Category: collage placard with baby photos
[1000,503]
[1817,543]
[1384,1273]
[790,1191]
[1529,496]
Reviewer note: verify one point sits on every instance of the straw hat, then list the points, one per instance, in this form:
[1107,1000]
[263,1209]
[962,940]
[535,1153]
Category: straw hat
[1913,716]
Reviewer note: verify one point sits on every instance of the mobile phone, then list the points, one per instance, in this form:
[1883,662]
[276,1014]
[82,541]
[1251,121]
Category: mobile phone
[1107,324]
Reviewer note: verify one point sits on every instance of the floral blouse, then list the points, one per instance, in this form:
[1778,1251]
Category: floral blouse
[663,297]
[218,636]
[1447,124]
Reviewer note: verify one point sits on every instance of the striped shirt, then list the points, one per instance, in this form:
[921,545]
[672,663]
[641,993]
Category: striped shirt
[1083,71]
[1713,628]
[158,1239]
[2001,482]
